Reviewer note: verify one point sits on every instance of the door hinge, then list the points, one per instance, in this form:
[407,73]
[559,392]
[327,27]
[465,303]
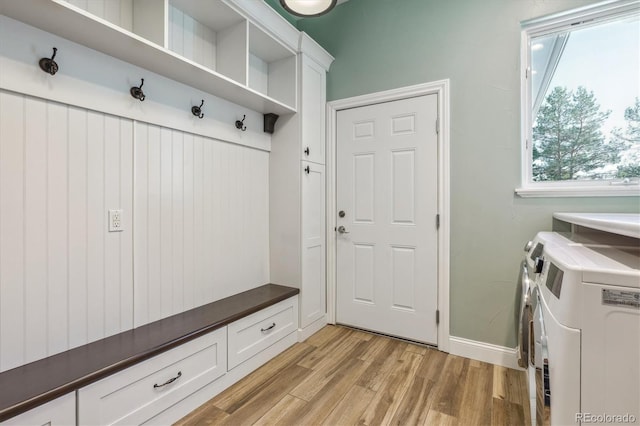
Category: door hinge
[437,221]
[437,316]
[437,126]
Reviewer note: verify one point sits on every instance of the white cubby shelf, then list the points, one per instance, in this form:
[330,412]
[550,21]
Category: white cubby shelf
[209,45]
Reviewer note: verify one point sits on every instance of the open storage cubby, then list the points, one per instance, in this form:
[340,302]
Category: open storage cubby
[142,17]
[206,44]
[211,34]
[272,67]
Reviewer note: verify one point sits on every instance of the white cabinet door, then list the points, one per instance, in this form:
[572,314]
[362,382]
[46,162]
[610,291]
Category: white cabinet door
[139,393]
[313,98]
[252,334]
[59,412]
[313,291]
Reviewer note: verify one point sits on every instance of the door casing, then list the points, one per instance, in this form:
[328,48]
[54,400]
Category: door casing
[441,88]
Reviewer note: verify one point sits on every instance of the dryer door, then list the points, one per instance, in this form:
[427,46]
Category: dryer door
[540,358]
[525,313]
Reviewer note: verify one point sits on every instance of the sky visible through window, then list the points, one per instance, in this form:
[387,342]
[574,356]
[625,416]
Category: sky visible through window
[606,60]
[603,59]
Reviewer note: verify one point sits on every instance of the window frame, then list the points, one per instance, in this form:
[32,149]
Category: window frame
[583,17]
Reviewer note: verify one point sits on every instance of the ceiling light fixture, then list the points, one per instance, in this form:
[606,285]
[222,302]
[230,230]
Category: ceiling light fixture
[308,8]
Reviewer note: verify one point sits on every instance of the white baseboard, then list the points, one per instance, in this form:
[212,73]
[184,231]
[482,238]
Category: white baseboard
[314,327]
[486,352]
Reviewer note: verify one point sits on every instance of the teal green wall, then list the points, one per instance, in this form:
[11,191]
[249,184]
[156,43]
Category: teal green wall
[385,44]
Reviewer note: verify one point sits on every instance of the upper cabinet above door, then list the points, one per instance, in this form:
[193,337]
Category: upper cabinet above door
[313,99]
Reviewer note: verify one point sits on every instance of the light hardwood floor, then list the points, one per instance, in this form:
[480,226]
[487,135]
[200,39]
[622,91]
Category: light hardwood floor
[341,376]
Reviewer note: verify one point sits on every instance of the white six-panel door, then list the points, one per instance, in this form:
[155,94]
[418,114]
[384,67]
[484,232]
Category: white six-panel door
[387,187]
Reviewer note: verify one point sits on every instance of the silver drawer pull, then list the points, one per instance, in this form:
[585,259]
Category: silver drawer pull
[168,382]
[264,330]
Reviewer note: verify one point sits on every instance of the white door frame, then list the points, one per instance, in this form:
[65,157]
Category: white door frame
[441,88]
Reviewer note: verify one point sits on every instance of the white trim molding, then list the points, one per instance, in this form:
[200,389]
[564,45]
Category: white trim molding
[485,352]
[311,329]
[442,89]
[584,191]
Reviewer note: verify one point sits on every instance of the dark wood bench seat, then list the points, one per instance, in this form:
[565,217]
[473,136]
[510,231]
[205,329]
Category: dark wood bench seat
[36,383]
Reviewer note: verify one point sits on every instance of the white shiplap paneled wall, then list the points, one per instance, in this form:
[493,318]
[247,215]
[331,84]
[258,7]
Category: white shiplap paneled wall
[199,225]
[64,280]
[201,220]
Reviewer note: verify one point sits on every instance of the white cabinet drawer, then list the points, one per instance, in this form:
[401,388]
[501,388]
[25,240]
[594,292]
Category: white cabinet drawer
[140,392]
[59,412]
[258,331]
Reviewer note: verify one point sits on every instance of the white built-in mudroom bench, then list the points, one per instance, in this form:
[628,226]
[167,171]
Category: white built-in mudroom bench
[160,160]
[158,372]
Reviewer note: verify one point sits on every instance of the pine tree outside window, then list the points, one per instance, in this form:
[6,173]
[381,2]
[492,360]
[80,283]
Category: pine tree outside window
[581,102]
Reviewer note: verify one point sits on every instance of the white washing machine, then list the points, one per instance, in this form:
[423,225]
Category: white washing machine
[586,333]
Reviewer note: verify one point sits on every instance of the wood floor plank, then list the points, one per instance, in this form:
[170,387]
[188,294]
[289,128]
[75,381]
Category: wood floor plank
[326,399]
[500,387]
[329,366]
[207,414]
[341,341]
[508,413]
[510,385]
[415,405]
[440,419]
[450,385]
[264,400]
[421,350]
[283,408]
[325,336]
[432,365]
[382,365]
[477,395]
[234,397]
[351,407]
[389,397]
[376,344]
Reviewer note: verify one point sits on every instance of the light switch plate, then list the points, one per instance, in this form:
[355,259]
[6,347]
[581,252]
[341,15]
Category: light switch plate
[115,221]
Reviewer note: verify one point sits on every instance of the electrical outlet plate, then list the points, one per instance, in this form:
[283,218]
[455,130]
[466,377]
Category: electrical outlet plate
[115,221]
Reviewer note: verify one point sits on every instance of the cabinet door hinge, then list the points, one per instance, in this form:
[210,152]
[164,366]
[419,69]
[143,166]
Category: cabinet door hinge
[437,126]
[437,221]
[437,316]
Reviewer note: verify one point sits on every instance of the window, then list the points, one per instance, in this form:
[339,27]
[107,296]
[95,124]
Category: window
[581,102]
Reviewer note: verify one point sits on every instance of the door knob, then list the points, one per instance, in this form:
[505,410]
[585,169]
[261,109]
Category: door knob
[342,230]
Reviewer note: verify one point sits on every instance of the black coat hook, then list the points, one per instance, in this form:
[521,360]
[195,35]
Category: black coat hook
[137,92]
[240,124]
[197,110]
[48,65]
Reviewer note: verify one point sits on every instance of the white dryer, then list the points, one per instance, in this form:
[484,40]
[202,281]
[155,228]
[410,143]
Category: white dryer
[587,333]
[527,299]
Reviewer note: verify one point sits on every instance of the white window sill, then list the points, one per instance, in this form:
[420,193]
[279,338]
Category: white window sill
[584,191]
